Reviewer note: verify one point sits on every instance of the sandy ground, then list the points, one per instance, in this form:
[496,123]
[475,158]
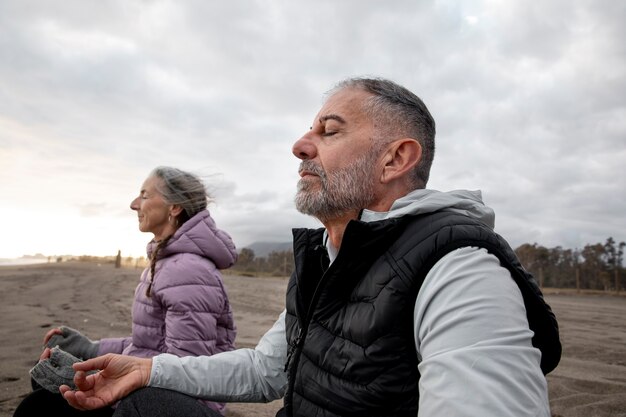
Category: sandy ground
[590,381]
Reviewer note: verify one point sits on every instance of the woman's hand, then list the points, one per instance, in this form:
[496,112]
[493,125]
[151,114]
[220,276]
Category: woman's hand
[45,354]
[72,341]
[119,375]
[51,333]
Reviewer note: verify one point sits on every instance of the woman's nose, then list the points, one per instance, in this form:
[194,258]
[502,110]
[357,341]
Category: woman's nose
[134,204]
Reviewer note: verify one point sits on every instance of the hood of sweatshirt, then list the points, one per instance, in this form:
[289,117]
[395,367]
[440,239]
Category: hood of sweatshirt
[468,203]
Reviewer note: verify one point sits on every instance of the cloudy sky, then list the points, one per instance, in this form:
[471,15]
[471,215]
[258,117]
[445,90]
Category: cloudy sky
[529,99]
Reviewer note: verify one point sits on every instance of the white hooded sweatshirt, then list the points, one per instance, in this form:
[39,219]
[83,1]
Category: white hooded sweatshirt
[471,336]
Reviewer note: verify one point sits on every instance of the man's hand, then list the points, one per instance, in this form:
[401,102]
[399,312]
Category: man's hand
[119,376]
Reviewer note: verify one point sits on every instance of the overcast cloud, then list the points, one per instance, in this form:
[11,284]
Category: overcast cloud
[529,99]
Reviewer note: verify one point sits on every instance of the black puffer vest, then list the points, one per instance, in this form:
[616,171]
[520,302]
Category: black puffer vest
[350,325]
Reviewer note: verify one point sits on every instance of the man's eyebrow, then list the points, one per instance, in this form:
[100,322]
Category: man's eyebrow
[332,117]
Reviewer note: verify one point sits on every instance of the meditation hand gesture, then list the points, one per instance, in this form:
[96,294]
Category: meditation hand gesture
[119,375]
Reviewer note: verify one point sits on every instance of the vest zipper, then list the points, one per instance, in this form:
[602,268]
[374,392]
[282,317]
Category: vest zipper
[292,348]
[300,337]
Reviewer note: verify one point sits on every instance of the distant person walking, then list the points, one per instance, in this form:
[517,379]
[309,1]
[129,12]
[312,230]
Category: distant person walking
[180,304]
[118,259]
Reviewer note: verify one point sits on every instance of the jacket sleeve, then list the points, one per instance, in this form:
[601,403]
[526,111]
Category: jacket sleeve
[474,342]
[198,320]
[113,345]
[242,375]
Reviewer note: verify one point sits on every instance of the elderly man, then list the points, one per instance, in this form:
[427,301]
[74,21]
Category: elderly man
[406,303]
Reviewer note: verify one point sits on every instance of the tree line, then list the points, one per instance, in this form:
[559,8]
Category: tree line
[276,263]
[595,267]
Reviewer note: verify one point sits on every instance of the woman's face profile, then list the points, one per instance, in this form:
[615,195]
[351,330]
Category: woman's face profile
[152,211]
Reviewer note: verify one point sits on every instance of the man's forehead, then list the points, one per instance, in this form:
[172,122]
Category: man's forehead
[342,105]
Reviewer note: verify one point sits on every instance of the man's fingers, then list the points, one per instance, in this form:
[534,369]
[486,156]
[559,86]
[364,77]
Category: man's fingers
[82,382]
[79,399]
[70,397]
[92,364]
[87,401]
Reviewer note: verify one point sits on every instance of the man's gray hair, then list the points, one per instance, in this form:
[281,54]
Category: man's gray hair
[397,113]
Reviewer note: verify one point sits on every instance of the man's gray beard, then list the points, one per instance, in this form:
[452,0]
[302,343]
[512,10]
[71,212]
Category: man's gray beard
[347,189]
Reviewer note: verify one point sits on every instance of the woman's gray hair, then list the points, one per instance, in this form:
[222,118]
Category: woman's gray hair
[183,189]
[397,113]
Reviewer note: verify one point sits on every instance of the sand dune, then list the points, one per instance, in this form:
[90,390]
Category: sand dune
[590,381]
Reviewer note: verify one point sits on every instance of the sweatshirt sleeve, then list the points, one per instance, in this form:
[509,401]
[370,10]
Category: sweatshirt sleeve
[474,342]
[242,375]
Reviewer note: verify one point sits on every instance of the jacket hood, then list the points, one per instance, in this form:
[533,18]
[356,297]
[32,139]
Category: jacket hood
[201,236]
[468,203]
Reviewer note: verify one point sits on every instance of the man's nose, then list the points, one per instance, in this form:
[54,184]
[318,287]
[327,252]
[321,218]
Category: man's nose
[305,147]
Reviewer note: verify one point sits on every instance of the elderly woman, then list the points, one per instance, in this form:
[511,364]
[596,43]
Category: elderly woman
[180,304]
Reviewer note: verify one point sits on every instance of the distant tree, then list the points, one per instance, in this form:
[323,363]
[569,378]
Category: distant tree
[565,269]
[526,254]
[614,258]
[593,268]
[246,257]
[535,259]
[260,264]
[280,263]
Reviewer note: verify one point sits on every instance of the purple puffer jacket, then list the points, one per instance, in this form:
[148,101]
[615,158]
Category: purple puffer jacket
[188,313]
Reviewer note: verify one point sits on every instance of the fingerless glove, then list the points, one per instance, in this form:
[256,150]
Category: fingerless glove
[55,371]
[74,342]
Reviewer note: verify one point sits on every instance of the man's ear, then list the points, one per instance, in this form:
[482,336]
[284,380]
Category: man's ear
[400,158]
